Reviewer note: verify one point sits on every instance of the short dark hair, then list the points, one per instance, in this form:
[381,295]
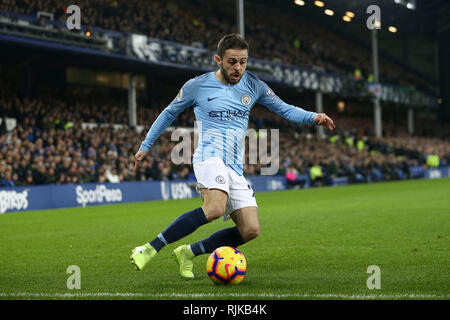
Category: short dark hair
[231,41]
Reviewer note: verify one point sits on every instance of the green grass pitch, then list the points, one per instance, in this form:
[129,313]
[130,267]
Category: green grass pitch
[315,244]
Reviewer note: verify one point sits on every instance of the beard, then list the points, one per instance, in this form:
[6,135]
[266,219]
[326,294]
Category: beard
[228,78]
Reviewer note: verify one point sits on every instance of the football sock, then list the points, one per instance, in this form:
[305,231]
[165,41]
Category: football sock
[225,237]
[184,225]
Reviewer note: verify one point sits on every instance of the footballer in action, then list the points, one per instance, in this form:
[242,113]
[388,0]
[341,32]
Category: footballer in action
[222,101]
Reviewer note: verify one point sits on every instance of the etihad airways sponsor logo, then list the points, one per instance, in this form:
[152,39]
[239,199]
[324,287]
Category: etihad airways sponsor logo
[229,114]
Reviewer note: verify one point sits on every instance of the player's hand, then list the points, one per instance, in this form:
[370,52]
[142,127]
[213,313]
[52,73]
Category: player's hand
[323,120]
[138,156]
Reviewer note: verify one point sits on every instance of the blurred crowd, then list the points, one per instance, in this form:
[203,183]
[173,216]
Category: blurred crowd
[64,142]
[50,144]
[80,139]
[360,159]
[286,39]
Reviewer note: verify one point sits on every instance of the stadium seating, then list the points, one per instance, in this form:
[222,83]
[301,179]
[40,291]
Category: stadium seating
[60,147]
[288,39]
[54,141]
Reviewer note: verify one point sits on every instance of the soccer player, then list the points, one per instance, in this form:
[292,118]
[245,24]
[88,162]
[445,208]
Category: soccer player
[222,101]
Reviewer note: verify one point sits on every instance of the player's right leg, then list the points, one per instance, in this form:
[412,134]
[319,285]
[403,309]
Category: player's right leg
[184,225]
[212,208]
[211,174]
[142,255]
[214,204]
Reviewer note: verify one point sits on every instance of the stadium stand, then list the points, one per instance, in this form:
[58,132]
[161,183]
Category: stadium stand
[69,136]
[287,40]
[52,144]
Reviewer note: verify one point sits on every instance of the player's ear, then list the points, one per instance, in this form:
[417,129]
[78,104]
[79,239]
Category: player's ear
[218,60]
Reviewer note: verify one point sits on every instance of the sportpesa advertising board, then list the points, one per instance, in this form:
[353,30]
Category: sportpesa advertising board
[81,195]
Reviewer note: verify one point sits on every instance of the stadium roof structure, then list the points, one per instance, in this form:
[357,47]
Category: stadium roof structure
[419,25]
[425,18]
[107,49]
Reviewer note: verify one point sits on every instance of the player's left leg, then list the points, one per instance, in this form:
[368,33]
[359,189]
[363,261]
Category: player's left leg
[247,222]
[242,208]
[244,212]
[214,204]
[247,228]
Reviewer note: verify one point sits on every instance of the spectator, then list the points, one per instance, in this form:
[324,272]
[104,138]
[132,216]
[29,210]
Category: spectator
[7,180]
[111,175]
[292,178]
[316,175]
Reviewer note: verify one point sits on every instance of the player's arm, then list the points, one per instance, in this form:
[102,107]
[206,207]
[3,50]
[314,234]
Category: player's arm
[292,113]
[183,100]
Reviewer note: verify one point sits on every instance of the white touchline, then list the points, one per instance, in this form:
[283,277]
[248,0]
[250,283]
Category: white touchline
[217,295]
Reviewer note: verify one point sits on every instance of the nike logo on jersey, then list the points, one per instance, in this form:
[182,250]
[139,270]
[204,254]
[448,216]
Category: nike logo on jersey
[210,99]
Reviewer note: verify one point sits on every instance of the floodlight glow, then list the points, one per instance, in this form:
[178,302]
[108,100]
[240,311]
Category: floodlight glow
[350,14]
[392,29]
[346,18]
[299,2]
[409,5]
[319,3]
[329,12]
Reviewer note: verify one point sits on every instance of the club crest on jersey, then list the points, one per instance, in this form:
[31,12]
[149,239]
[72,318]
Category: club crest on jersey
[180,95]
[246,99]
[220,179]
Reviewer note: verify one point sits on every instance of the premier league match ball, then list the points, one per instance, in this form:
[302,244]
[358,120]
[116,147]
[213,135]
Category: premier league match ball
[226,265]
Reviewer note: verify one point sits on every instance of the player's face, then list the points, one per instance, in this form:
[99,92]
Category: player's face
[233,64]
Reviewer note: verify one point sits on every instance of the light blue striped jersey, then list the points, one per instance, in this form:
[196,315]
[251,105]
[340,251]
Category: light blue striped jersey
[222,114]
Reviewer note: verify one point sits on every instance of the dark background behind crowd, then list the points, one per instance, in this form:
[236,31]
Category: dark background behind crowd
[274,34]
